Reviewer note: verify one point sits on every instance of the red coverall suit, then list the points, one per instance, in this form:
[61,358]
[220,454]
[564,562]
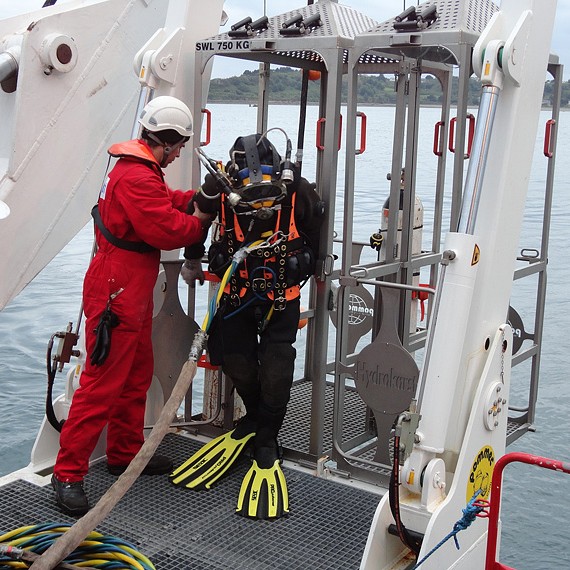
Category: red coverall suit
[135,204]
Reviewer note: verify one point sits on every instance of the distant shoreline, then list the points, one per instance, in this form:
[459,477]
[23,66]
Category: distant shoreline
[314,104]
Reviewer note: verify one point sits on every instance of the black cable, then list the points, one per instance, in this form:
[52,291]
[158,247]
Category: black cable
[303,112]
[302,117]
[51,371]
[394,496]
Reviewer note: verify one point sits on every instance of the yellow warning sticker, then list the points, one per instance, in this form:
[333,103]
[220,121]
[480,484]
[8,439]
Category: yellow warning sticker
[476,255]
[481,473]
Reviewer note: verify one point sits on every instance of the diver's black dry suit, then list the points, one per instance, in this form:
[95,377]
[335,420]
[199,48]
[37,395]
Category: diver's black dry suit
[254,329]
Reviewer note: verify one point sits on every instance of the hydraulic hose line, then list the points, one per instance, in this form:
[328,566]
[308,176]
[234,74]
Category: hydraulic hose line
[97,550]
[51,367]
[77,534]
[394,496]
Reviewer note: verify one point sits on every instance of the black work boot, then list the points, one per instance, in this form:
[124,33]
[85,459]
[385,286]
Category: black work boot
[70,497]
[158,465]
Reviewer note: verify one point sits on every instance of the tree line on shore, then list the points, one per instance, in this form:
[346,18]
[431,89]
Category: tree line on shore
[285,86]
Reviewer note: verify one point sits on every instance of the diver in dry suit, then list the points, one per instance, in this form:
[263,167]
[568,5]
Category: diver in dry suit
[277,217]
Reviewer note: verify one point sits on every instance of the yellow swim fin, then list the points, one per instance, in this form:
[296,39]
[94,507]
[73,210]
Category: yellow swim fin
[263,493]
[212,461]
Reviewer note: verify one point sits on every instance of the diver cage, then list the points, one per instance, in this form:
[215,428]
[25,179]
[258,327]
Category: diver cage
[378,285]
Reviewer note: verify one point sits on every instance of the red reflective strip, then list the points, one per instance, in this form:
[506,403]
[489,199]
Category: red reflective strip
[237,229]
[290,293]
[293,231]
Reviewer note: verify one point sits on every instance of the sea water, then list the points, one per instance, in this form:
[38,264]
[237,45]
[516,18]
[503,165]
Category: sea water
[535,528]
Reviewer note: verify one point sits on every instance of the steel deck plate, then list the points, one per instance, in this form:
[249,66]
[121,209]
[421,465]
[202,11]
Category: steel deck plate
[181,529]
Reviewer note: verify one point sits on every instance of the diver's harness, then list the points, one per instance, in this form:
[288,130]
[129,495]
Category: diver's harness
[281,260]
[279,263]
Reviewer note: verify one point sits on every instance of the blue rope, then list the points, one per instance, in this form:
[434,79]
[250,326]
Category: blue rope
[470,512]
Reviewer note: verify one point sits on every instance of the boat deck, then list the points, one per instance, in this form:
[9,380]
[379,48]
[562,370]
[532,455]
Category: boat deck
[181,529]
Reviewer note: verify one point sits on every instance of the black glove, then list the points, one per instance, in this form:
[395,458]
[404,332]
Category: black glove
[107,322]
[207,197]
[211,187]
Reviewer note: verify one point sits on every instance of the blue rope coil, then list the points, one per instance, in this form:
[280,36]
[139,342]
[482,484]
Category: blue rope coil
[470,513]
[97,550]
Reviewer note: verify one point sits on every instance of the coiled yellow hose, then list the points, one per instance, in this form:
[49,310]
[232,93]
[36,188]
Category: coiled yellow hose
[97,550]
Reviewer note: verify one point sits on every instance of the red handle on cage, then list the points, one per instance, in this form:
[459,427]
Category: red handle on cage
[208,114]
[363,120]
[437,130]
[550,125]
[320,124]
[471,119]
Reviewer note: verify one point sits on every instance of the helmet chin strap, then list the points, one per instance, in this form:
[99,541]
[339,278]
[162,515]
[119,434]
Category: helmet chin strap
[166,148]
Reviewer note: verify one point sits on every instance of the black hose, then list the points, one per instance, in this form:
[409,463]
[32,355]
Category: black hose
[302,113]
[302,118]
[394,496]
[51,371]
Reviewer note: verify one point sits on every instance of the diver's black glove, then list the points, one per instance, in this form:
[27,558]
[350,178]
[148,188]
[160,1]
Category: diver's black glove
[107,322]
[207,197]
[211,187]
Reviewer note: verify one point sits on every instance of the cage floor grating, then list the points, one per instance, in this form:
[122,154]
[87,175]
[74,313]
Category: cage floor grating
[181,529]
[295,433]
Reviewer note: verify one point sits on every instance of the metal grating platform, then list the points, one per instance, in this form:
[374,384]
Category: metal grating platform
[459,24]
[295,433]
[180,529]
[339,26]
[461,15]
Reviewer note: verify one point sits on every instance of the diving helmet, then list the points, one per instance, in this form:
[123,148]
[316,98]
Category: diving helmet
[255,168]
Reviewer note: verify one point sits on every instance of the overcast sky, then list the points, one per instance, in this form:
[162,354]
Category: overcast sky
[380,10]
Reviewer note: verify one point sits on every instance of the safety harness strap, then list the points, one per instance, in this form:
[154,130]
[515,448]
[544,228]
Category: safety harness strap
[136,246]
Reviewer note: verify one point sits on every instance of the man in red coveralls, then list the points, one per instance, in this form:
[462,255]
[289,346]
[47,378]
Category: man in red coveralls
[137,215]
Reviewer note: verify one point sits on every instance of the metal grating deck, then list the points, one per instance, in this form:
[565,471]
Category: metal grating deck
[295,433]
[180,529]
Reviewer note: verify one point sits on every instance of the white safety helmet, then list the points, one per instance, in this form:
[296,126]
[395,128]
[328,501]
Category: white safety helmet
[167,113]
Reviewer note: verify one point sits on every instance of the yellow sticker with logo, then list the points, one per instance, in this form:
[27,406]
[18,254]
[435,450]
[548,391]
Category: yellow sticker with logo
[481,473]
[476,255]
